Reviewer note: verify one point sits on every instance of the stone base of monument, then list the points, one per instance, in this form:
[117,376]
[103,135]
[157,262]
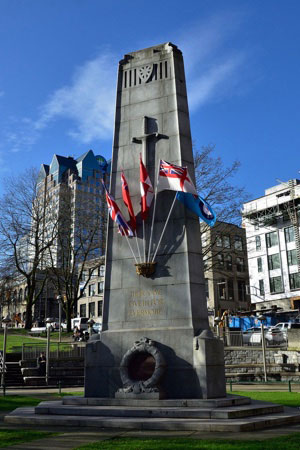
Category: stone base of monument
[231,414]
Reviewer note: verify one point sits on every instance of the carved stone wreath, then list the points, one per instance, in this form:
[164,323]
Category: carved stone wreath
[143,345]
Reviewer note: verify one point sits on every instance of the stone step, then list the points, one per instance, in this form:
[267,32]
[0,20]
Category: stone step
[230,400]
[26,416]
[259,408]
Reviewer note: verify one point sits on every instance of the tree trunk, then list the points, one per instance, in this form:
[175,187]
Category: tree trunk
[28,319]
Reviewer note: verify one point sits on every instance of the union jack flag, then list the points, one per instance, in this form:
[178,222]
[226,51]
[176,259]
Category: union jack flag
[116,214]
[175,178]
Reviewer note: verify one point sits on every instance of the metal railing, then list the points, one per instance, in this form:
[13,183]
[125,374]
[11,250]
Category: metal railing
[57,350]
[240,339]
[1,363]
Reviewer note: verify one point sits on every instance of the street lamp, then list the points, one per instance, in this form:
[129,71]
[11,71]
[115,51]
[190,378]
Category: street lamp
[48,328]
[59,316]
[262,318]
[90,325]
[217,323]
[5,321]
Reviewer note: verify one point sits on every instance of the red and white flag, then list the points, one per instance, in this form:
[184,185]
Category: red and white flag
[128,203]
[174,178]
[147,193]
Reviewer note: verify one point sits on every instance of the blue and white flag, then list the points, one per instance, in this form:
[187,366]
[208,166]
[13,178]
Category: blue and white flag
[199,206]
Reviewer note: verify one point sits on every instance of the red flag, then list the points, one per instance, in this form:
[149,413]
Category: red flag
[146,190]
[127,201]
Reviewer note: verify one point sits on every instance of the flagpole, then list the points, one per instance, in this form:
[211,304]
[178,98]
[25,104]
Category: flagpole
[144,239]
[129,245]
[137,244]
[153,215]
[165,226]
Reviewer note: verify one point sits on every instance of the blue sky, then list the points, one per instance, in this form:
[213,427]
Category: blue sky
[59,64]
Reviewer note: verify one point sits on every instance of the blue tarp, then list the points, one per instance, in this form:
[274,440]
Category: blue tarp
[247,322]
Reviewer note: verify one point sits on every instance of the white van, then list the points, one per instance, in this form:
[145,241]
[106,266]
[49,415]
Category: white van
[80,322]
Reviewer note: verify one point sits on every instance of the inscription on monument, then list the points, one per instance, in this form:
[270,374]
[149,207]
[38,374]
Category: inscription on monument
[146,303]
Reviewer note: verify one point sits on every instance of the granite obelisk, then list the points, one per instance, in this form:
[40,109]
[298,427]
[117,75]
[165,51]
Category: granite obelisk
[169,307]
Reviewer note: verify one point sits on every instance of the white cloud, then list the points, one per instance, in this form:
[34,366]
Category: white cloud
[89,101]
[213,71]
[212,66]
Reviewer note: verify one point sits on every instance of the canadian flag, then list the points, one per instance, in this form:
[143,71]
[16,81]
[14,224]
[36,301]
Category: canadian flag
[127,201]
[147,193]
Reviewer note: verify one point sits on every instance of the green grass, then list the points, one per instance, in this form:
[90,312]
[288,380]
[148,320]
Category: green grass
[282,398]
[11,402]
[14,341]
[12,437]
[290,442]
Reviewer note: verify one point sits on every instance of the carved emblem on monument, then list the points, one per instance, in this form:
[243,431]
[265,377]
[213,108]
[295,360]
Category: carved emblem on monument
[145,72]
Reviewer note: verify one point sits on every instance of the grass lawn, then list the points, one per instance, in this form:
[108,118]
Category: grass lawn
[290,442]
[12,437]
[282,398]
[11,402]
[14,341]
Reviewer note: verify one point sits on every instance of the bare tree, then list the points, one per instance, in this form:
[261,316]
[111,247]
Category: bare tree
[215,183]
[25,209]
[77,248]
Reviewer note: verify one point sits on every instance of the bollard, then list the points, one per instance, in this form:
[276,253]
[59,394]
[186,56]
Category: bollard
[230,384]
[59,387]
[290,386]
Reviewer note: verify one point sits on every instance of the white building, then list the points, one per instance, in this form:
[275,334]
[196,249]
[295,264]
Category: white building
[272,230]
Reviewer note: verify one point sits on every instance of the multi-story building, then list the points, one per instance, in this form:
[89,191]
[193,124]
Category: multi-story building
[92,290]
[72,193]
[272,227]
[225,268]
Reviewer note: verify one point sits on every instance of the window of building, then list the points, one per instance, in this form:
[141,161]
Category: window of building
[100,305]
[228,261]
[259,264]
[240,264]
[82,310]
[258,242]
[241,290]
[102,271]
[219,242]
[221,283]
[295,280]
[238,243]
[271,239]
[274,261]
[289,234]
[92,290]
[100,287]
[226,241]
[206,288]
[92,309]
[230,288]
[220,259]
[292,257]
[261,287]
[275,285]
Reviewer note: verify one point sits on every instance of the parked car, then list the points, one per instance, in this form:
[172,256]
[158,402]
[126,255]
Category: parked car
[252,336]
[40,327]
[80,322]
[284,326]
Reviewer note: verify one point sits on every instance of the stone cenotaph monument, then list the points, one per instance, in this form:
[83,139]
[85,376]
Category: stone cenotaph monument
[156,341]
[156,365]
